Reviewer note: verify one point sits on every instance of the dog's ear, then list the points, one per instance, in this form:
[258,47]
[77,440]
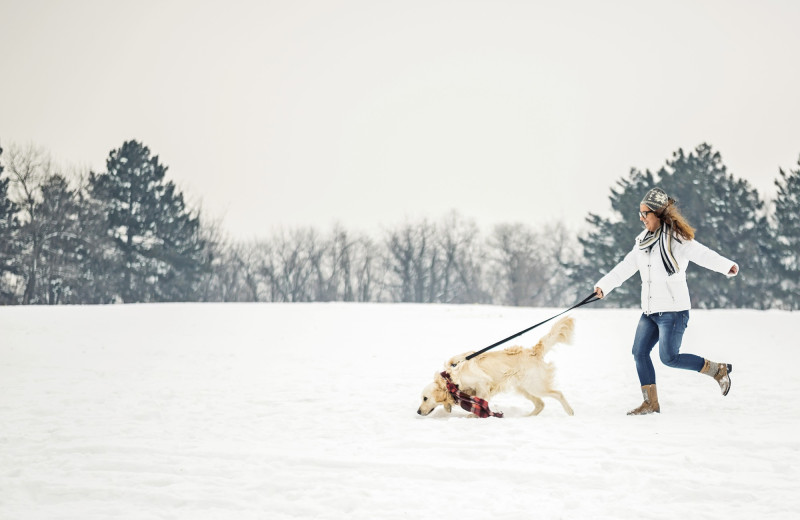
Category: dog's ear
[455,361]
[441,394]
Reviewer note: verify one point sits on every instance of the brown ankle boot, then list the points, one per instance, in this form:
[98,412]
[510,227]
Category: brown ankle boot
[719,371]
[650,403]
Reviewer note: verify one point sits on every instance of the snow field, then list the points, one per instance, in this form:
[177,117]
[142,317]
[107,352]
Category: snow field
[273,411]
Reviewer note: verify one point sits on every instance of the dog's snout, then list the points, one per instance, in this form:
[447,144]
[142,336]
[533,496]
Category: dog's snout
[419,411]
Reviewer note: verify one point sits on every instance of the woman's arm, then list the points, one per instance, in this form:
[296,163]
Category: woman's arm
[621,272]
[708,258]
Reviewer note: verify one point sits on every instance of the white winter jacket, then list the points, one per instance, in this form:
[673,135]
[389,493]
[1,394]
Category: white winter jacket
[660,292]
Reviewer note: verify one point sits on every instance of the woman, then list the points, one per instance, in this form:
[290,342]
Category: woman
[661,254]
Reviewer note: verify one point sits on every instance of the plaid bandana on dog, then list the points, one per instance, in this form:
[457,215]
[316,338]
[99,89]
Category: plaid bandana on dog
[470,403]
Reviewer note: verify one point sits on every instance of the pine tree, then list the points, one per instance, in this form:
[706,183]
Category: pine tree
[9,247]
[156,235]
[609,240]
[728,217]
[96,254]
[61,242]
[787,220]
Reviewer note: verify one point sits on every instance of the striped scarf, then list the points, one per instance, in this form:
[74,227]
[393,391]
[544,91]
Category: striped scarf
[662,236]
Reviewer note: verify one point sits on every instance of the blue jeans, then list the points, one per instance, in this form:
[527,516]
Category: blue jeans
[666,329]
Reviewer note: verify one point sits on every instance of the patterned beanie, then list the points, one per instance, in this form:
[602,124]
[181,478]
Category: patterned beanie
[656,199]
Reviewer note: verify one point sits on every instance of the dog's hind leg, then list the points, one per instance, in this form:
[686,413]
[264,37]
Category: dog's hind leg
[558,396]
[537,403]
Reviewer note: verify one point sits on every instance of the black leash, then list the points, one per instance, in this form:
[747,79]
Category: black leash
[589,299]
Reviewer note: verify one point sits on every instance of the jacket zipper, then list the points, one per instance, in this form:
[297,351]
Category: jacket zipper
[649,279]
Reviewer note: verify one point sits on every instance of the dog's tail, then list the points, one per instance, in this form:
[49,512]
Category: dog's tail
[561,332]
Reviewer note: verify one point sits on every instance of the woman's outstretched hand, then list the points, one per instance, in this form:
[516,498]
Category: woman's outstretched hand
[733,270]
[599,292]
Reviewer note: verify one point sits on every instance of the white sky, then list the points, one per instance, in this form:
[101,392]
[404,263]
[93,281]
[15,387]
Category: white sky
[285,113]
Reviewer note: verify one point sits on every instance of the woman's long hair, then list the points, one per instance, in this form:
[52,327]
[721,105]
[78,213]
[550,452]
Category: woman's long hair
[672,216]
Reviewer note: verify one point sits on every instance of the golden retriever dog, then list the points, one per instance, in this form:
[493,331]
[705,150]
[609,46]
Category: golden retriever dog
[514,369]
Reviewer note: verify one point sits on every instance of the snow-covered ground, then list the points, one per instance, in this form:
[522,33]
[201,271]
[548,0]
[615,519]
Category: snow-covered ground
[265,411]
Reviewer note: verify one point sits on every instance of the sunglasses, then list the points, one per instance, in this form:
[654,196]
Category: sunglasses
[644,214]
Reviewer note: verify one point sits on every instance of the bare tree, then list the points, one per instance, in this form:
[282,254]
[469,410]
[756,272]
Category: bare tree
[288,264]
[560,250]
[331,267]
[246,260]
[247,268]
[28,167]
[463,254]
[369,270]
[512,249]
[412,259]
[233,267]
[528,264]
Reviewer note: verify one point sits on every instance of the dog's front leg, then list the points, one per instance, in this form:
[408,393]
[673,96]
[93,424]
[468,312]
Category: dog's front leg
[483,391]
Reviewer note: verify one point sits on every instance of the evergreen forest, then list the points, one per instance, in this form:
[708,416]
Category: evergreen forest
[128,235]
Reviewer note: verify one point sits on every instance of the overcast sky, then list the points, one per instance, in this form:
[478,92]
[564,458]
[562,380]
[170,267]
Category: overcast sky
[286,113]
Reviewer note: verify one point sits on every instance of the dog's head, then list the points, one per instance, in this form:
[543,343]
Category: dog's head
[435,394]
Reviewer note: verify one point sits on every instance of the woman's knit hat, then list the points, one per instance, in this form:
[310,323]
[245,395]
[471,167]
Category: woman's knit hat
[656,199]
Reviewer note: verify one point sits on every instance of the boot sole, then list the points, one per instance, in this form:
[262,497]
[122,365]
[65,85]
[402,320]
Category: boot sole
[632,412]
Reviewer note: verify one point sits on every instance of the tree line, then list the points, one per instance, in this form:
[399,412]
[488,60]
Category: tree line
[127,235]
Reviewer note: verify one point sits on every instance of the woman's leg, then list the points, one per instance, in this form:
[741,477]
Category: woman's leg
[646,337]
[671,326]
